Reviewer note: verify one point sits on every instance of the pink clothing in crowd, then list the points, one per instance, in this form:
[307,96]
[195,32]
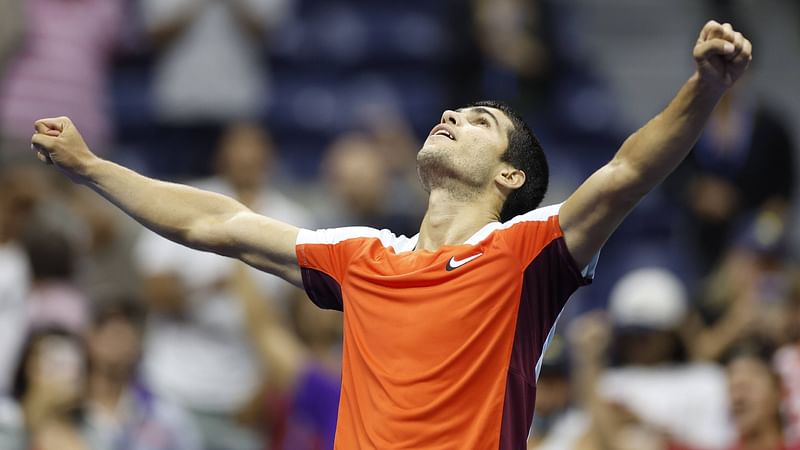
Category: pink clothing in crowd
[61,68]
[59,304]
[787,364]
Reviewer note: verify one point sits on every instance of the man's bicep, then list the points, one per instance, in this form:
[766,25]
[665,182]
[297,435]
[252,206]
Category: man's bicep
[595,210]
[264,243]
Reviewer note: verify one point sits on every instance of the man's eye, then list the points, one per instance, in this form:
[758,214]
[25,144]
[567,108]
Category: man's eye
[483,122]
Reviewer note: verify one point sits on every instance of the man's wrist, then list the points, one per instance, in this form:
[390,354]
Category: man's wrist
[91,169]
[705,86]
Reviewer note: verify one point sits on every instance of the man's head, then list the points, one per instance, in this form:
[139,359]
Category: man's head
[485,145]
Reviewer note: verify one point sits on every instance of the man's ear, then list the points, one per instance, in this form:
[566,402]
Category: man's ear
[510,178]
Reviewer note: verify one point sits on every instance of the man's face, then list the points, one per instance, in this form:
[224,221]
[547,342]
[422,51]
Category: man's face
[464,149]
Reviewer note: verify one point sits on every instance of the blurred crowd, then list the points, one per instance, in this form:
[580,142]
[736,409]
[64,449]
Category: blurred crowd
[311,112]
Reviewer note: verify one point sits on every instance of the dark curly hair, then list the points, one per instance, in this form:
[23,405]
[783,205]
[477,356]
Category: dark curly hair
[525,153]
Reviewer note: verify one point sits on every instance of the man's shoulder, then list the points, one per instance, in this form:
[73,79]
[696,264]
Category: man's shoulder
[334,236]
[544,215]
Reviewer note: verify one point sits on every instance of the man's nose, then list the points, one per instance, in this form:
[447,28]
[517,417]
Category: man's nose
[451,117]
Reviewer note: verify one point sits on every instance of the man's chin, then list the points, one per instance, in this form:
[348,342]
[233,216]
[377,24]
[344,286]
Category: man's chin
[427,148]
[435,168]
[430,158]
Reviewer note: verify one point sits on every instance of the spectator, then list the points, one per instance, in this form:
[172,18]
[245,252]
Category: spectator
[18,198]
[60,69]
[755,394]
[358,176]
[196,341]
[611,425]
[514,39]
[394,140]
[755,399]
[744,296]
[45,411]
[787,358]
[559,421]
[209,65]
[652,384]
[11,29]
[54,298]
[106,269]
[304,364]
[121,410]
[743,166]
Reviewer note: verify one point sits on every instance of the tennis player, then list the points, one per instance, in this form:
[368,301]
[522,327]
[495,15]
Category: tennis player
[443,331]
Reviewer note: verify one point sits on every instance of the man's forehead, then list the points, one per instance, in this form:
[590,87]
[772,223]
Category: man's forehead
[498,114]
[480,108]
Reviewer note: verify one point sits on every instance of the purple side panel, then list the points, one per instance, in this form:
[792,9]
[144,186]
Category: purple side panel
[547,284]
[322,289]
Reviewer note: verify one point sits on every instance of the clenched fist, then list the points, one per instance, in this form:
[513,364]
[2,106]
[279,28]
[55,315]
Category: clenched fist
[58,142]
[721,54]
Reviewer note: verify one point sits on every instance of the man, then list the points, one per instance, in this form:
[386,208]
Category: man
[442,331]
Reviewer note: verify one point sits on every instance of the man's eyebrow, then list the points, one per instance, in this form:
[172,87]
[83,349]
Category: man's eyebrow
[482,110]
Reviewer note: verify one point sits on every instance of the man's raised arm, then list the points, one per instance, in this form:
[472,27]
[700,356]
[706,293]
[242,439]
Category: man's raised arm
[596,208]
[199,219]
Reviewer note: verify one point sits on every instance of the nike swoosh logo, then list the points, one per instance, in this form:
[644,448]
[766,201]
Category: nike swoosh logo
[455,263]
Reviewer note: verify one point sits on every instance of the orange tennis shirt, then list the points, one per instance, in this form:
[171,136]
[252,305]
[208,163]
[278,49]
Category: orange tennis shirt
[441,349]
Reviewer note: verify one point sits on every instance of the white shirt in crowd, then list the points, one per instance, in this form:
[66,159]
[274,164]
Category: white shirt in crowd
[215,69]
[15,281]
[690,402]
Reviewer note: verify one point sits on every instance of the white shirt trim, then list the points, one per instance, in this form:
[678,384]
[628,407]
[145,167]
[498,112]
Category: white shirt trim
[332,236]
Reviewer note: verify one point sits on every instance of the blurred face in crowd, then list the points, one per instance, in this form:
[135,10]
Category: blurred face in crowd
[20,190]
[56,371]
[356,172]
[754,392]
[245,153]
[647,347]
[115,346]
[463,153]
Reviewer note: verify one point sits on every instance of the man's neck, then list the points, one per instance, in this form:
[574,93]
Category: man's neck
[106,392]
[451,221]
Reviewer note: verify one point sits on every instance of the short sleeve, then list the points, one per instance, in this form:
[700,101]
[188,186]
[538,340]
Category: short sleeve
[324,256]
[529,235]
